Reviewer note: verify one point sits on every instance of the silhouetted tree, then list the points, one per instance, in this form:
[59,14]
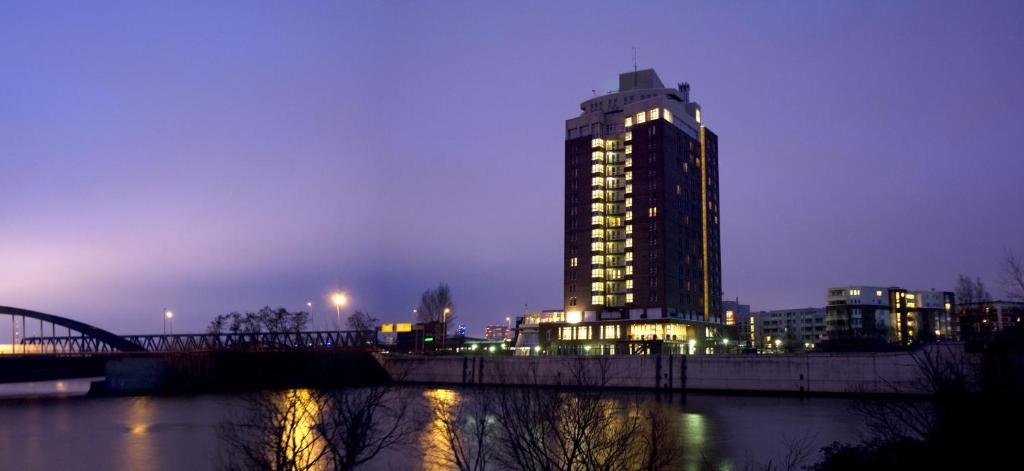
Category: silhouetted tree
[1013,276]
[264,320]
[971,291]
[362,321]
[433,302]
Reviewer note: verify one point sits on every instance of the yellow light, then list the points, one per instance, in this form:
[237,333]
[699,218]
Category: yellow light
[387,328]
[574,317]
[447,310]
[406,327]
[698,115]
[339,299]
[169,314]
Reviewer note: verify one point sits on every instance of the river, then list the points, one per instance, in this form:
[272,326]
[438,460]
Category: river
[172,433]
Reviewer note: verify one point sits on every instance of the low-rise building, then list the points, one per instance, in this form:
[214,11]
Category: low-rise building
[560,332]
[978,320]
[497,332]
[890,314]
[791,329]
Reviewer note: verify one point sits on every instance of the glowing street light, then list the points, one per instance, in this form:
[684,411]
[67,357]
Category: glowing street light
[168,316]
[778,343]
[309,304]
[444,326]
[339,299]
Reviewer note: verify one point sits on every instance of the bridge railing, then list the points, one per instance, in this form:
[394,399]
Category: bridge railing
[318,340]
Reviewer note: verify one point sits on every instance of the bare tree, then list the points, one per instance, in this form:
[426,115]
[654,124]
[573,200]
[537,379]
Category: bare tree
[272,431]
[1013,276]
[307,429]
[433,303]
[467,426]
[362,321]
[264,320]
[357,424]
[971,291]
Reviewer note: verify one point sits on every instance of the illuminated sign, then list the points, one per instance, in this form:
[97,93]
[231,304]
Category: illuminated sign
[387,328]
[428,339]
[406,327]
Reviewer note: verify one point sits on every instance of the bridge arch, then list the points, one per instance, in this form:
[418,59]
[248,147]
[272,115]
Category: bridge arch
[109,339]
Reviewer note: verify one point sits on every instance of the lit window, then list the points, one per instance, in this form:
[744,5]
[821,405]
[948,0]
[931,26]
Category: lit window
[597,195]
[597,246]
[629,297]
[629,228]
[597,260]
[629,202]
[573,262]
[597,168]
[668,115]
[629,258]
[597,300]
[597,219]
[573,317]
[698,115]
[597,142]
[597,286]
[597,234]
[655,114]
[629,176]
[629,149]
[629,188]
[641,117]
[629,270]
[629,243]
[910,296]
[629,121]
[629,215]
[629,284]
[629,136]
[652,212]
[597,181]
[597,207]
[878,293]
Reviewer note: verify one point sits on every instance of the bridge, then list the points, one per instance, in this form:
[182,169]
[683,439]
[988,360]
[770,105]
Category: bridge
[61,335]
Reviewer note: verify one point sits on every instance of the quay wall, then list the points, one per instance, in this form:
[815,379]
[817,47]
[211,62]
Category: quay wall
[872,373]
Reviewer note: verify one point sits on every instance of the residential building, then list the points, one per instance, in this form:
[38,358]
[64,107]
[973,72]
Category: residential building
[642,256]
[978,320]
[740,325]
[791,329]
[895,315]
[497,332]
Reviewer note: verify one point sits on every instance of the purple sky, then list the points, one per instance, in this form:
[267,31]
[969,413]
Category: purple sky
[216,158]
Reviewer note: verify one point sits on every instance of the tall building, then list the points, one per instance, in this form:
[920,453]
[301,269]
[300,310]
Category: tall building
[641,216]
[892,314]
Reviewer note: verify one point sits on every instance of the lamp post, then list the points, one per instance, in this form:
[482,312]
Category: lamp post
[508,329]
[339,299]
[309,304]
[444,327]
[168,317]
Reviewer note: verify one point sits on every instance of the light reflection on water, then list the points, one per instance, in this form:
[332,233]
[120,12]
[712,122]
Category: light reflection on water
[179,432]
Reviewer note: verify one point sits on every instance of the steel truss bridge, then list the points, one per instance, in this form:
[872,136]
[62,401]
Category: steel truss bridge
[61,335]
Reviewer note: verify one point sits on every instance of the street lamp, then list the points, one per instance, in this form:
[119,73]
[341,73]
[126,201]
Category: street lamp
[778,343]
[444,327]
[168,316]
[508,330]
[309,304]
[339,299]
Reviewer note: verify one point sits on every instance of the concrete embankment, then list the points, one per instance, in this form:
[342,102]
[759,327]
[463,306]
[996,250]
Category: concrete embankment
[233,371]
[812,373]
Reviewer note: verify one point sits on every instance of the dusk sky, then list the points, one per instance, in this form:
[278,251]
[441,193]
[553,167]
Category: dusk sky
[223,156]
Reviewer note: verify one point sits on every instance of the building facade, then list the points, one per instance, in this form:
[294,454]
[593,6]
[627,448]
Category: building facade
[976,321]
[642,254]
[497,332]
[892,314]
[791,329]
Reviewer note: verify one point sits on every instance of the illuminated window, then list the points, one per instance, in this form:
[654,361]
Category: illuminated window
[629,258]
[597,219]
[629,284]
[668,115]
[910,296]
[854,292]
[597,246]
[574,317]
[597,142]
[629,149]
[597,181]
[597,273]
[629,202]
[597,234]
[629,243]
[597,207]
[878,293]
[629,136]
[629,297]
[610,332]
[655,114]
[597,300]
[629,228]
[629,121]
[698,115]
[597,168]
[597,260]
[597,155]
[573,262]
[583,331]
[597,195]
[641,117]
[652,212]
[629,215]
[629,176]
[597,286]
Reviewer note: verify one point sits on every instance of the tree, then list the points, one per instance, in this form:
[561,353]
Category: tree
[1013,276]
[264,320]
[433,303]
[971,291]
[362,321]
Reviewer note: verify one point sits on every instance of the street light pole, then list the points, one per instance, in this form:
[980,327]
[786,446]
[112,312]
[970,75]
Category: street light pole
[444,327]
[309,304]
[168,316]
[339,299]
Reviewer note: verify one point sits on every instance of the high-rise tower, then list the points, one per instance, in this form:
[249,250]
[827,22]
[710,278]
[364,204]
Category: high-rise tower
[641,212]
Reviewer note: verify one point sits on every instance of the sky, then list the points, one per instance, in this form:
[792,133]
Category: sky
[210,157]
